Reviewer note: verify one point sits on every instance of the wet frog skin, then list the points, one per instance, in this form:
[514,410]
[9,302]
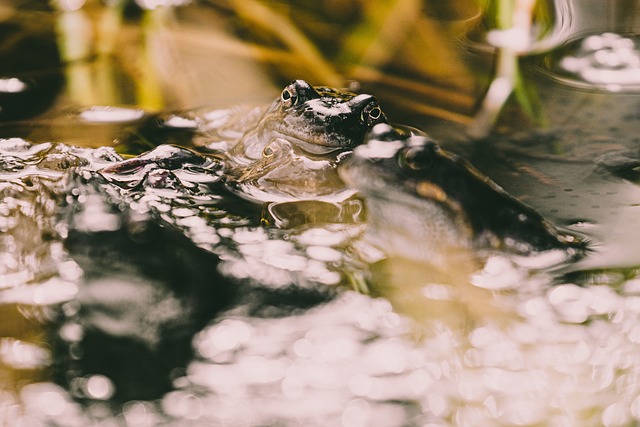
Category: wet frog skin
[284,152]
[292,150]
[315,120]
[423,200]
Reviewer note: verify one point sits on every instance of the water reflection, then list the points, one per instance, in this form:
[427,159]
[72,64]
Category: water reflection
[180,332]
[608,61]
[132,283]
[97,114]
[12,85]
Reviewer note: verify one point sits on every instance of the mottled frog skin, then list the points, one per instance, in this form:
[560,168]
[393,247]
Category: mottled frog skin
[423,200]
[292,150]
[285,152]
[315,120]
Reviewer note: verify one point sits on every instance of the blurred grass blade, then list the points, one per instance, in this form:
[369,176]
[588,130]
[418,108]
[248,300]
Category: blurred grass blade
[384,27]
[279,25]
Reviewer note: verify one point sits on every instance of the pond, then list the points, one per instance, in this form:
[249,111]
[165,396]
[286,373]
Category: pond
[153,289]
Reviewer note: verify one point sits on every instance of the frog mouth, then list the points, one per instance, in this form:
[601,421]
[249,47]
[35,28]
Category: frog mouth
[309,144]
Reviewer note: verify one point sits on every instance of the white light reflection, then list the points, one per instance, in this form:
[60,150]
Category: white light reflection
[303,348]
[227,335]
[323,253]
[356,414]
[608,60]
[95,215]
[99,387]
[182,405]
[386,357]
[71,332]
[18,147]
[522,410]
[180,122]
[69,5]
[438,292]
[616,415]
[498,273]
[12,85]
[155,4]
[343,364]
[635,408]
[139,414]
[49,400]
[103,114]
[22,355]
[571,302]
[361,385]
[53,291]
[293,386]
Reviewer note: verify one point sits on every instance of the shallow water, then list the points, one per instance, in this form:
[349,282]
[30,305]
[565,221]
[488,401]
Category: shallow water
[160,298]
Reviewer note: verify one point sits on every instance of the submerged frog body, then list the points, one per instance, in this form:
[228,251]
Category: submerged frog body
[424,202]
[291,149]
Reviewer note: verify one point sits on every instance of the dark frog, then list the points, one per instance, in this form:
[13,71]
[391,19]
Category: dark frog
[292,149]
[423,201]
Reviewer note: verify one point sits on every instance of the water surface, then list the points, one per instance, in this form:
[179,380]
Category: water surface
[163,299]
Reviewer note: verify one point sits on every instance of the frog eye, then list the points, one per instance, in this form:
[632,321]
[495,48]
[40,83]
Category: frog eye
[412,159]
[269,150]
[289,96]
[371,113]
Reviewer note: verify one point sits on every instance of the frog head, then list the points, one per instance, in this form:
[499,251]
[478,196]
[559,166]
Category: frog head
[315,120]
[422,196]
[293,150]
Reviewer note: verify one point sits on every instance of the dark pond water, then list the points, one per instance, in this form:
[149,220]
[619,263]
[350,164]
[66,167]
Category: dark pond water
[159,297]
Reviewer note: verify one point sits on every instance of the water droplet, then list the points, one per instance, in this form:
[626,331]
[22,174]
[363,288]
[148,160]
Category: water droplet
[571,302]
[99,387]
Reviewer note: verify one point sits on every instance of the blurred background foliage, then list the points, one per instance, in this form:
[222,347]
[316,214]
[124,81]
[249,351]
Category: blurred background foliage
[421,58]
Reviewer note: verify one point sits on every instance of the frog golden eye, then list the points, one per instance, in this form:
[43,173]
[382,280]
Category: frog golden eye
[289,96]
[371,113]
[269,151]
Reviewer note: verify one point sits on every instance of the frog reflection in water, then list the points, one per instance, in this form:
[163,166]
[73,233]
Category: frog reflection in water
[439,221]
[293,148]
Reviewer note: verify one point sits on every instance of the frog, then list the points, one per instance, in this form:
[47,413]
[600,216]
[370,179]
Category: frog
[424,202]
[441,240]
[290,150]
